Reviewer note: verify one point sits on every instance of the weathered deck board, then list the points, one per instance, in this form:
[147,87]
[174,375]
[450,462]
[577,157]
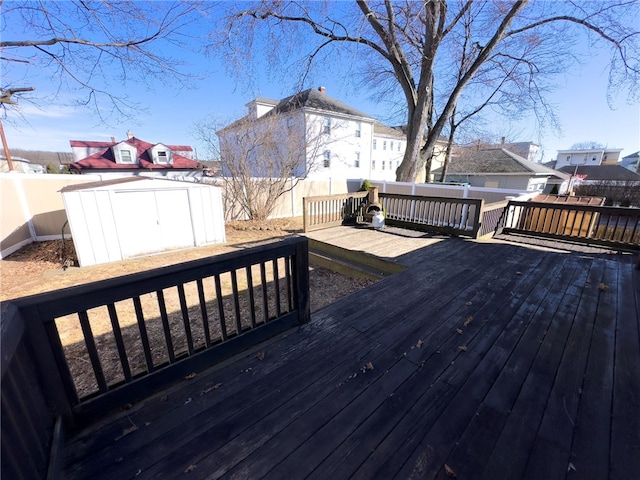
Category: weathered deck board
[551,367]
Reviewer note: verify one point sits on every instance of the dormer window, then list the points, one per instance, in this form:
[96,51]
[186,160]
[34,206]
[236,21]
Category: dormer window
[125,153]
[125,156]
[161,154]
[326,126]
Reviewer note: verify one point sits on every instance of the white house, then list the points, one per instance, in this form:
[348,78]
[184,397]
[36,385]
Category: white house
[588,157]
[316,135]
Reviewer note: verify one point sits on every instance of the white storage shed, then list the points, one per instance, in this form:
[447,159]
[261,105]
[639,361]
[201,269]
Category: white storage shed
[135,216]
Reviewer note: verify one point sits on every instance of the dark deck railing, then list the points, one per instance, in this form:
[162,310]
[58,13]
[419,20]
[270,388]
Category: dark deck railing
[152,328]
[331,210]
[491,215]
[456,216]
[617,227]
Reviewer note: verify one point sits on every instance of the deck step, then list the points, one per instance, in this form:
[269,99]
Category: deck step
[349,262]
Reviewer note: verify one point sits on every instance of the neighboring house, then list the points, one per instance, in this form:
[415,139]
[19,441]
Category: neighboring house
[631,162]
[132,157]
[591,157]
[500,168]
[328,138]
[612,174]
[526,150]
[21,165]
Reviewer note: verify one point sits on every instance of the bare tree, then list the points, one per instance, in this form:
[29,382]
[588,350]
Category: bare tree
[406,41]
[261,159]
[587,145]
[88,46]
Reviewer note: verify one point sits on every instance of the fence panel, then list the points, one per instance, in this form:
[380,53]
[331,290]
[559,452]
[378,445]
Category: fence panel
[457,216]
[608,226]
[331,210]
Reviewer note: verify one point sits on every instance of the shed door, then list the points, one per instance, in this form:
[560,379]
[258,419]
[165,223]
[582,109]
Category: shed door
[152,221]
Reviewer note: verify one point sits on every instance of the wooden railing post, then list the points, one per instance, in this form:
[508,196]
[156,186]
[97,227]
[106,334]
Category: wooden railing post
[301,272]
[305,214]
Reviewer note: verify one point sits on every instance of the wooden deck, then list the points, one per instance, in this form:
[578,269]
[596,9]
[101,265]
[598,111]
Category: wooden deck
[481,360]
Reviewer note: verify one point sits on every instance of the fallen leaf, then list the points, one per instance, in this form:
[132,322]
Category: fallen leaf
[260,356]
[190,376]
[468,304]
[571,467]
[163,398]
[190,468]
[468,321]
[369,366]
[463,348]
[603,286]
[449,471]
[209,389]
[422,364]
[459,330]
[127,431]
[518,273]
[420,343]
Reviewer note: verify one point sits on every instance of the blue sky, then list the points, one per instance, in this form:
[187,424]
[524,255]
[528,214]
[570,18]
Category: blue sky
[168,113]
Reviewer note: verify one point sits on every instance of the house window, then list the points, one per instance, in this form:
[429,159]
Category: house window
[358,129]
[163,157]
[391,146]
[383,164]
[357,162]
[569,158]
[373,164]
[327,159]
[125,156]
[399,145]
[374,143]
[327,126]
[384,145]
[593,159]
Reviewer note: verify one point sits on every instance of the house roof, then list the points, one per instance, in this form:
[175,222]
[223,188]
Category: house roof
[497,161]
[104,159]
[603,172]
[313,98]
[382,129]
[92,144]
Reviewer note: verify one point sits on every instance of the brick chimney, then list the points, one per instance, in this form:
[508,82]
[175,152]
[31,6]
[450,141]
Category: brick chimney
[129,134]
[321,89]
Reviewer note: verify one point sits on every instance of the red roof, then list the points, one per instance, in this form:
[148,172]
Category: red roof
[104,159]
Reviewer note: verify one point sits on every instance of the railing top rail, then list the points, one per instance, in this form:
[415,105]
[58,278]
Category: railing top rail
[578,206]
[320,198]
[476,201]
[83,297]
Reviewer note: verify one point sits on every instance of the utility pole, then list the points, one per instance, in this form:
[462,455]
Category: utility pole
[5,97]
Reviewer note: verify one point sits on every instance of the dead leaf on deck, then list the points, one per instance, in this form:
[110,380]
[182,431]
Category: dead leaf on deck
[260,355]
[190,376]
[420,343]
[459,330]
[127,431]
[209,389]
[518,273]
[449,471]
[369,366]
[603,286]
[463,348]
[468,321]
[190,468]
[468,304]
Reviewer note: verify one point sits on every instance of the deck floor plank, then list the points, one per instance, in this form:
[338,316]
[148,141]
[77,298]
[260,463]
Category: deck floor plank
[548,354]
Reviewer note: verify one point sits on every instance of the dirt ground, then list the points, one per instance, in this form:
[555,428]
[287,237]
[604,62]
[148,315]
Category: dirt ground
[38,267]
[45,266]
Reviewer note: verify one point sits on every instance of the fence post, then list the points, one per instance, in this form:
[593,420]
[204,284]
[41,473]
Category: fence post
[305,215]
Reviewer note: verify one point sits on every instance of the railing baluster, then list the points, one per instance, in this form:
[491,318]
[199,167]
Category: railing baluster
[117,333]
[219,298]
[265,295]
[185,318]
[252,301]
[144,338]
[236,301]
[287,270]
[203,312]
[276,283]
[92,350]
[165,325]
